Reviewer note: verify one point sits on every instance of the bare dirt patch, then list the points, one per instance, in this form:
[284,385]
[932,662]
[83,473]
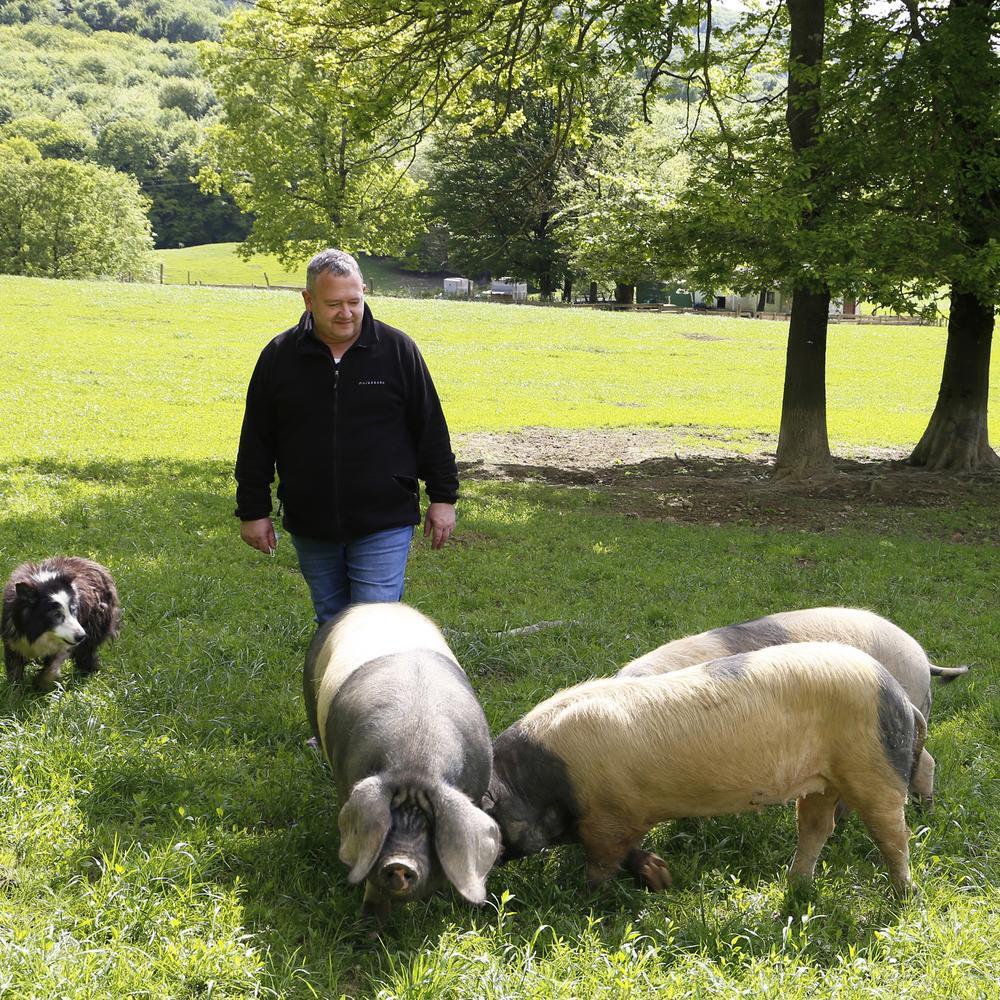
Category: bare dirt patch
[650,473]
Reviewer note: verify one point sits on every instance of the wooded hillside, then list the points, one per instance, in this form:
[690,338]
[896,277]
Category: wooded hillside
[119,85]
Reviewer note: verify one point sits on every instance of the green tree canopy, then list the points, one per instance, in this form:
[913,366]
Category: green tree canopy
[298,150]
[63,219]
[60,139]
[121,101]
[175,20]
[495,190]
[617,216]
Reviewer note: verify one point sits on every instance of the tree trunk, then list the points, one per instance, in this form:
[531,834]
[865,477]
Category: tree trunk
[803,447]
[957,437]
[567,292]
[592,296]
[625,294]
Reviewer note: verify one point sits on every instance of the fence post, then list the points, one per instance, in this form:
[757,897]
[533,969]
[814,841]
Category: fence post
[266,280]
[189,277]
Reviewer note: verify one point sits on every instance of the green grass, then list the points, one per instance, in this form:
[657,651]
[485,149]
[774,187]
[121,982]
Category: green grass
[167,833]
[217,264]
[182,357]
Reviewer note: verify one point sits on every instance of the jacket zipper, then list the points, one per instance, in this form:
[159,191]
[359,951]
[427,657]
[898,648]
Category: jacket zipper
[336,470]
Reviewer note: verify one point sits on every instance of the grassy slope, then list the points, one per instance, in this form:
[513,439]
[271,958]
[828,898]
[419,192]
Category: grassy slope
[167,834]
[217,264]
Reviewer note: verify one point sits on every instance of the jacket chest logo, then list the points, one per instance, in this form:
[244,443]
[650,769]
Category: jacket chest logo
[371,381]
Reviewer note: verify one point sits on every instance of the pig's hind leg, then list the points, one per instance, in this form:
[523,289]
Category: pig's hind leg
[922,782]
[886,822]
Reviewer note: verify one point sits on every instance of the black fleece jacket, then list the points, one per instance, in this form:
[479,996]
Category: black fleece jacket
[349,441]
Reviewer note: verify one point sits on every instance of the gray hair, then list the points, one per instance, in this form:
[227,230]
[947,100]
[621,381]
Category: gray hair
[335,261]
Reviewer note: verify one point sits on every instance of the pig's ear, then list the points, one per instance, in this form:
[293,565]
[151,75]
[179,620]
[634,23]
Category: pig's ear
[467,842]
[364,825]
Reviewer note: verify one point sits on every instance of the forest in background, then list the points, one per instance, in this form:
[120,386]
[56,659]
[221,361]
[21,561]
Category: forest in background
[118,85]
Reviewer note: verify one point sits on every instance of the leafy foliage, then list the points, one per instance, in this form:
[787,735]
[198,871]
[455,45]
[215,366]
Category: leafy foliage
[363,87]
[297,148]
[64,140]
[63,219]
[495,191]
[174,20]
[935,175]
[123,102]
[618,205]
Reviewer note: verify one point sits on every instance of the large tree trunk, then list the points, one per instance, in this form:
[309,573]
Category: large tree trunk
[624,294]
[957,438]
[803,447]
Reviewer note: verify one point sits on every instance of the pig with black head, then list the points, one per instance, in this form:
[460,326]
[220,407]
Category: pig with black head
[603,762]
[410,752]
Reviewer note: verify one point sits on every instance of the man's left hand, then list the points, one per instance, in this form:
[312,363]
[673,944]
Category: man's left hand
[439,523]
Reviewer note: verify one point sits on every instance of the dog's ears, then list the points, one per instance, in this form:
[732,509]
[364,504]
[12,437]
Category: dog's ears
[26,592]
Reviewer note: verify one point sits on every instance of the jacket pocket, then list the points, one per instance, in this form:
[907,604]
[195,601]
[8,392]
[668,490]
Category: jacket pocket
[407,483]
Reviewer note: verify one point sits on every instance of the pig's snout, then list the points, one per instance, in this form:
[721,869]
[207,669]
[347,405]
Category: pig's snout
[398,878]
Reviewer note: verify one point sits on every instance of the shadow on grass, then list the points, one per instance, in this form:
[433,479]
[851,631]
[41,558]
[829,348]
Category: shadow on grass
[20,702]
[730,889]
[193,732]
[713,490]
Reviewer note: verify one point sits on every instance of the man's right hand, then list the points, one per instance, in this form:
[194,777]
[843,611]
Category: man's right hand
[259,534]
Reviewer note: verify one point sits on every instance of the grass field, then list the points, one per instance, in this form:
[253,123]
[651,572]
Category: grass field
[167,833]
[182,357]
[217,264]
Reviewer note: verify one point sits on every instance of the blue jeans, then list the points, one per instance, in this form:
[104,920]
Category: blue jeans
[368,569]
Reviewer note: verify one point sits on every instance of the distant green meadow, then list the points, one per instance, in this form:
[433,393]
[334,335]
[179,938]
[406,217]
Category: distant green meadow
[167,832]
[181,358]
[218,264]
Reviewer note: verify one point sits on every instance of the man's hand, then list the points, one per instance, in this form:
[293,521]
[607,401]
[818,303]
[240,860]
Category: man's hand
[439,523]
[259,534]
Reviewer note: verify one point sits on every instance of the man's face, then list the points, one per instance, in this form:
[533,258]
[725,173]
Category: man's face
[337,304]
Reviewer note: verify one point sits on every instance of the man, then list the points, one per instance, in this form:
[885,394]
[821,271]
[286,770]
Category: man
[344,407]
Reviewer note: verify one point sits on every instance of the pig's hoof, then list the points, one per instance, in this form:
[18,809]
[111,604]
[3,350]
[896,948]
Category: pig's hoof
[801,886]
[650,869]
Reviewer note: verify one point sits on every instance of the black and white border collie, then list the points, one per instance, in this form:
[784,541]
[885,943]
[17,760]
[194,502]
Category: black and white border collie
[65,606]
